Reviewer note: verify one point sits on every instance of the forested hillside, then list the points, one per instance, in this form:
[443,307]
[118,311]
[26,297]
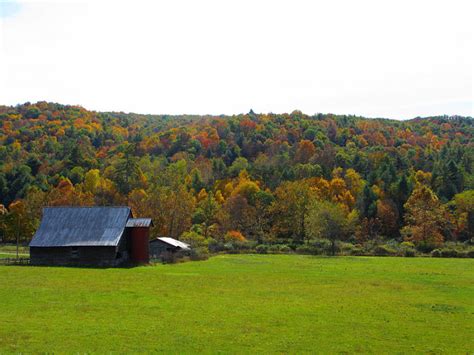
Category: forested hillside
[263,179]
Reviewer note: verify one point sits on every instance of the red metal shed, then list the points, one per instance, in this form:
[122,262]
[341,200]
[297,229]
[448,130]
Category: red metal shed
[139,239]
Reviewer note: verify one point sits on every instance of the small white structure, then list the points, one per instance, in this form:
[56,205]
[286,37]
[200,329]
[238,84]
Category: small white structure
[162,245]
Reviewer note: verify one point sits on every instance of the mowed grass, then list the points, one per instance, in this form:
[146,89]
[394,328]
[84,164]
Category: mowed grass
[9,251]
[10,255]
[244,304]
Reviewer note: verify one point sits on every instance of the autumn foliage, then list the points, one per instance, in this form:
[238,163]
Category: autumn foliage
[249,178]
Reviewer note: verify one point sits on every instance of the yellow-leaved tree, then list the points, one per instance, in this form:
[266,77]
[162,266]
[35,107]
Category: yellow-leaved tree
[425,218]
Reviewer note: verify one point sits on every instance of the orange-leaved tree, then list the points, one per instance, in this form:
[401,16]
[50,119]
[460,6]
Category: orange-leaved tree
[425,218]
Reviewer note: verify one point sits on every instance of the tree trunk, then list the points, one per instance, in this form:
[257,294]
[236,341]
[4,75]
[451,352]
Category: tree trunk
[17,235]
[302,229]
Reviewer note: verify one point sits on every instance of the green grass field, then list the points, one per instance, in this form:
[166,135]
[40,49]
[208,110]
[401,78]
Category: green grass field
[12,255]
[243,303]
[9,251]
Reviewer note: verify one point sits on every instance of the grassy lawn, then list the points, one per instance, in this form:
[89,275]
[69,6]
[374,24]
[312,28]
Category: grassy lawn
[243,303]
[9,251]
[12,255]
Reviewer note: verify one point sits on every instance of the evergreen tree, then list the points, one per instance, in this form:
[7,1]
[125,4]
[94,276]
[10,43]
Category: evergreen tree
[368,203]
[403,192]
[196,180]
[127,172]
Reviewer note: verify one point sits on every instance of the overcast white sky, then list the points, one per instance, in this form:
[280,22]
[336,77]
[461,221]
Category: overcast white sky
[396,59]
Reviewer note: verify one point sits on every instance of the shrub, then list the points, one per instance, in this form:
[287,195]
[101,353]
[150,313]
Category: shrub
[216,246]
[323,245]
[357,251]
[273,249]
[384,250]
[470,253]
[346,248]
[168,257]
[425,247]
[249,245]
[279,249]
[351,249]
[369,246]
[308,249]
[409,252]
[316,247]
[407,245]
[195,239]
[232,236]
[407,249]
[449,253]
[436,253]
[237,247]
[230,248]
[261,249]
[199,254]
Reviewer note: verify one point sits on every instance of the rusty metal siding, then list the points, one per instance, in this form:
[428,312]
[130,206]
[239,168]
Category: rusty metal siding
[140,241]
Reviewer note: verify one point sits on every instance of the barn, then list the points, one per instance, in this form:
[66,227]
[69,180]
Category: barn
[162,245]
[90,236]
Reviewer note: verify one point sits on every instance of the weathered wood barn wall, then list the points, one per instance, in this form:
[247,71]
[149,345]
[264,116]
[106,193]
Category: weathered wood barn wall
[86,236]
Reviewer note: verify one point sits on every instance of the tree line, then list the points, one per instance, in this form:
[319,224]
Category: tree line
[266,179]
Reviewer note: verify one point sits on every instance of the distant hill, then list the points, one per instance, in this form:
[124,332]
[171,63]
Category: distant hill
[119,158]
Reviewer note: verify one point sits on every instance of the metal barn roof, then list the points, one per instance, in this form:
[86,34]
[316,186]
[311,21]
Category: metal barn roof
[139,222]
[81,226]
[173,242]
